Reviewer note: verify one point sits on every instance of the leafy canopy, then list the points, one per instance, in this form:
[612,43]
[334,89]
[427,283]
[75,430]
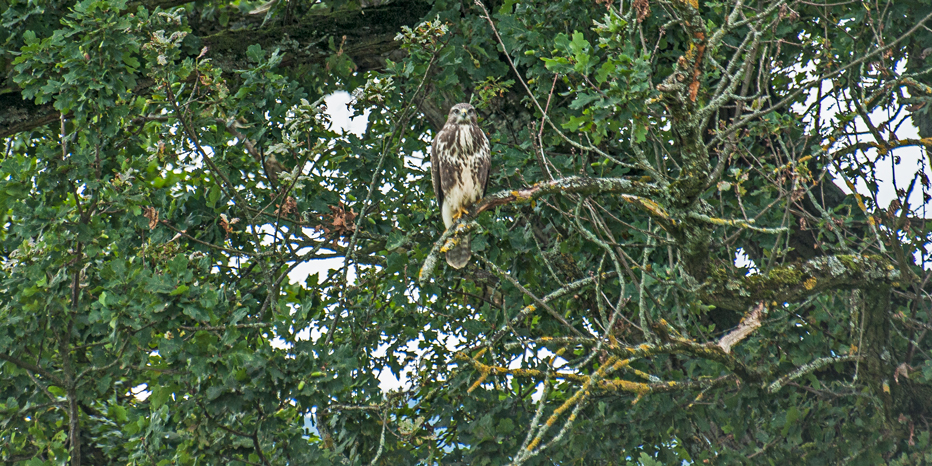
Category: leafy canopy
[169,168]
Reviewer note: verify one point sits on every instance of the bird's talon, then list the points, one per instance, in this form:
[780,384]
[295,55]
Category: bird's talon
[459,213]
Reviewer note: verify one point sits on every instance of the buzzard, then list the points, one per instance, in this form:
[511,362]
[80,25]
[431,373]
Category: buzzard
[460,160]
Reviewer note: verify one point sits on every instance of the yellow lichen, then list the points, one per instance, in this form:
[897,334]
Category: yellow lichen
[450,244]
[691,52]
[478,382]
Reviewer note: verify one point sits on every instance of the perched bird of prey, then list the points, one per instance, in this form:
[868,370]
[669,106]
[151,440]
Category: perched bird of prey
[459,165]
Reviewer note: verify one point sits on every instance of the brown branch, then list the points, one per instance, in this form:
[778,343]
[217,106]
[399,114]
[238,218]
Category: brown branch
[32,367]
[745,328]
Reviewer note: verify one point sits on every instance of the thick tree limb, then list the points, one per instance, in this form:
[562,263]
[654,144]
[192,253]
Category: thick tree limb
[18,115]
[798,281]
[366,37]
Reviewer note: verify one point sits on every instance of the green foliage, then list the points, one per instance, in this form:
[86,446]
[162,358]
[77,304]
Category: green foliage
[152,230]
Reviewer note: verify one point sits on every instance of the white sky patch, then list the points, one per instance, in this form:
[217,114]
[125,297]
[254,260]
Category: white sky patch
[321,267]
[310,333]
[743,261]
[391,381]
[897,168]
[417,160]
[388,380]
[141,392]
[341,116]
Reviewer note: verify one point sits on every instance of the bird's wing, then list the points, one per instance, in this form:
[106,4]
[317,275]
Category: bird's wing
[485,158]
[435,168]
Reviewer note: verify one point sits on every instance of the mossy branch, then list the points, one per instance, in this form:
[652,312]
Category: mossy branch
[808,368]
[613,364]
[635,191]
[796,282]
[749,224]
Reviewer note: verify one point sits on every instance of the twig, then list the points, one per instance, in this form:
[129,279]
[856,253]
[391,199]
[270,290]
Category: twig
[820,79]
[378,453]
[808,368]
[540,302]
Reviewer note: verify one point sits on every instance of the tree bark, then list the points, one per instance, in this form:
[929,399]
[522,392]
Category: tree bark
[903,400]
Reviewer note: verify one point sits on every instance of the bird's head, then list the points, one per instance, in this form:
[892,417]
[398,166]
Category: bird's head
[462,114]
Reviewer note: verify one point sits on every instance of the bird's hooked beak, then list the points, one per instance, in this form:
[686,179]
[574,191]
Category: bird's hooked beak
[462,114]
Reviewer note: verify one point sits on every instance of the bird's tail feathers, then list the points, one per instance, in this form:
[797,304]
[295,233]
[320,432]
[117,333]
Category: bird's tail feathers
[458,256]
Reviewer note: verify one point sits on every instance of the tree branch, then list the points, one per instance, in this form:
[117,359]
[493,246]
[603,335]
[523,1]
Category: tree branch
[798,281]
[636,192]
[32,367]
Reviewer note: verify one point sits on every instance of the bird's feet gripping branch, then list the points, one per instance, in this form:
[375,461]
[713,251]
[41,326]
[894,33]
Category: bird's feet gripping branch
[460,212]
